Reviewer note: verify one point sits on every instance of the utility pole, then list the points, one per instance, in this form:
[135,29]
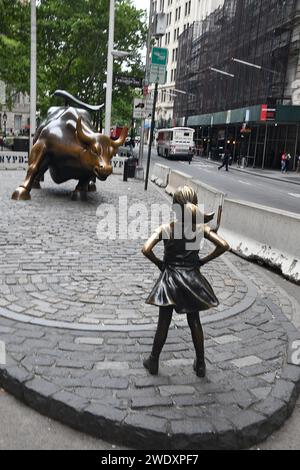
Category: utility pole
[151,135]
[33,74]
[110,64]
[146,82]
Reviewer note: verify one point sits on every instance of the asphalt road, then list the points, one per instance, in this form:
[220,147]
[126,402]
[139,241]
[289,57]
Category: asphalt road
[240,186]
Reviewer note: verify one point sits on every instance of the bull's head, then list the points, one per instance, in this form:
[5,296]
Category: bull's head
[99,149]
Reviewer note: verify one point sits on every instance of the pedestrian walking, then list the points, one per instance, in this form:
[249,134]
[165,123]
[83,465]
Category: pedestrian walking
[181,286]
[283,162]
[298,163]
[226,160]
[287,163]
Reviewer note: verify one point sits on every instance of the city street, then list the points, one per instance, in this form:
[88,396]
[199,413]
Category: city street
[241,185]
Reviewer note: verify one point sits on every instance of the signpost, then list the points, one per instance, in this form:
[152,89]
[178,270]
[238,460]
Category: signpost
[133,82]
[159,57]
[158,68]
[138,108]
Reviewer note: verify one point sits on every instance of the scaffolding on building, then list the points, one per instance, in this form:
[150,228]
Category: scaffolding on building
[256,31]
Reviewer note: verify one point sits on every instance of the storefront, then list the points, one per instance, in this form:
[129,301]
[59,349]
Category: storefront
[258,134]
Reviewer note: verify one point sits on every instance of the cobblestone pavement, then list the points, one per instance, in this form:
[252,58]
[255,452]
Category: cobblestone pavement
[75,325]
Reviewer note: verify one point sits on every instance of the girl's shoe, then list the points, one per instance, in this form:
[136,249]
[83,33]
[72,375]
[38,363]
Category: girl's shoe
[200,368]
[151,364]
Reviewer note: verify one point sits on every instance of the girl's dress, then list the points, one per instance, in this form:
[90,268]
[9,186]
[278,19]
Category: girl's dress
[181,284]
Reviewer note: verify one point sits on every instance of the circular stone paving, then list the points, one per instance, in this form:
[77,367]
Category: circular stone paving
[74,328]
[55,271]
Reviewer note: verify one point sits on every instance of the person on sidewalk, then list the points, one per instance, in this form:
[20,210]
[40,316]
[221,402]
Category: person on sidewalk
[283,162]
[288,161]
[181,286]
[226,160]
[298,163]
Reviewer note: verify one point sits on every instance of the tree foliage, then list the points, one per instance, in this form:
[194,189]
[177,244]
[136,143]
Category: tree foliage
[72,49]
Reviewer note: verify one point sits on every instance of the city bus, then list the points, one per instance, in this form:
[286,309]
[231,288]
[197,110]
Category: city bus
[176,143]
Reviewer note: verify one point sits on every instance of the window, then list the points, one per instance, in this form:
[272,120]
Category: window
[18,122]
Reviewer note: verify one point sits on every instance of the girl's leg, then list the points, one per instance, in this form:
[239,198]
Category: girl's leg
[198,340]
[164,320]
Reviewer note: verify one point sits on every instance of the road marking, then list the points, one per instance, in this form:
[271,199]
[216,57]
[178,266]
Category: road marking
[244,182]
[294,195]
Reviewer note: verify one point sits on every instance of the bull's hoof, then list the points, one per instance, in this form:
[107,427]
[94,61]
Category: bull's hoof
[21,194]
[36,185]
[79,196]
[92,188]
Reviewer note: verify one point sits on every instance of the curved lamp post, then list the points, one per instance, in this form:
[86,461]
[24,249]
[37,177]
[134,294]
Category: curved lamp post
[4,117]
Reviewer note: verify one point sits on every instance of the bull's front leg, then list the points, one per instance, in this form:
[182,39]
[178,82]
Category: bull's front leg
[81,190]
[22,193]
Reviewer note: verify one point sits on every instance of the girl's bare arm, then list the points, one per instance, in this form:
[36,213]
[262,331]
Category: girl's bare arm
[220,244]
[147,249]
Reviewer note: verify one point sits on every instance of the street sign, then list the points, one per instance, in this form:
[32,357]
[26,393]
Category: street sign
[159,56]
[267,114]
[148,107]
[145,90]
[134,82]
[138,108]
[142,109]
[157,74]
[159,62]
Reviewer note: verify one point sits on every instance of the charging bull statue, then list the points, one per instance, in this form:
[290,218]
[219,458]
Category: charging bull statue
[66,145]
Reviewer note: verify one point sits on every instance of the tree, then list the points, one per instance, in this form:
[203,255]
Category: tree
[72,48]
[14,46]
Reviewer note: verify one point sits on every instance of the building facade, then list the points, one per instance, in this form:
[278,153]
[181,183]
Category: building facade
[17,116]
[240,69]
[180,15]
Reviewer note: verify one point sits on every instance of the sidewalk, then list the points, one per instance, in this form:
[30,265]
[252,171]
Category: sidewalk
[76,328]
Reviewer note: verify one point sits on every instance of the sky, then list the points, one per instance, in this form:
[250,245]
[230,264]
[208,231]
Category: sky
[143,4]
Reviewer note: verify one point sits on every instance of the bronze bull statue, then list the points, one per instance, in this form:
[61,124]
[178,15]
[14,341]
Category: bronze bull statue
[67,145]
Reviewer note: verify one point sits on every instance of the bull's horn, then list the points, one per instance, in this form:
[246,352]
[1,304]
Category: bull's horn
[121,139]
[83,137]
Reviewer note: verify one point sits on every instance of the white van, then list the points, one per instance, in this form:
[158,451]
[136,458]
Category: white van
[176,142]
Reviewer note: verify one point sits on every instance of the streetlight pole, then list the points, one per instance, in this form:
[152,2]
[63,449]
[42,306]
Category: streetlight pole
[151,136]
[149,37]
[4,123]
[33,68]
[110,63]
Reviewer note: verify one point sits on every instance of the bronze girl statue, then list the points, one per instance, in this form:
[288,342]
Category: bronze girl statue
[181,286]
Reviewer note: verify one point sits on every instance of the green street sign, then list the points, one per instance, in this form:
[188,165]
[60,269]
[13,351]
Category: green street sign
[160,56]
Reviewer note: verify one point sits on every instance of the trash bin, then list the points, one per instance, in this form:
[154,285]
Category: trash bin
[132,164]
[21,144]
